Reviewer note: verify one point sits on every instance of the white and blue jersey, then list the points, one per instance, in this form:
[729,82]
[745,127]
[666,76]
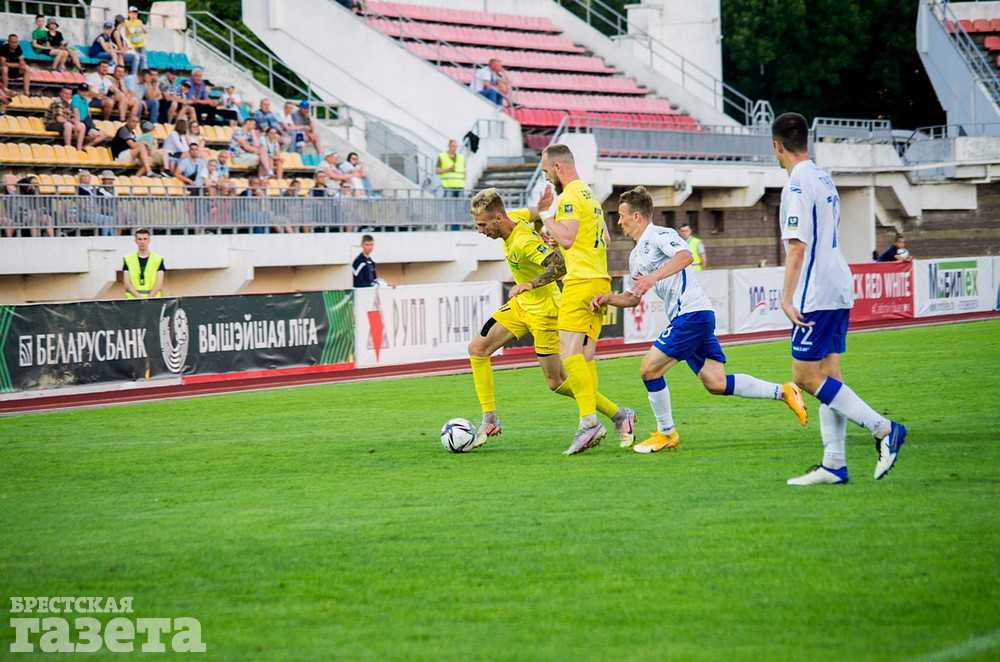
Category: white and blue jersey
[810,212]
[681,293]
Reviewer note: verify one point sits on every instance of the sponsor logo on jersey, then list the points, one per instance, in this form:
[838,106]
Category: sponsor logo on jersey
[793,222]
[567,209]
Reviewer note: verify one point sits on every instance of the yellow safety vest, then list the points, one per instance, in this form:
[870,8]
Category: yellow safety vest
[141,284]
[693,244]
[451,179]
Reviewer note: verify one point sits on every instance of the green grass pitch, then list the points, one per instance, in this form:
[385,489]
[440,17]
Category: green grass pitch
[327,523]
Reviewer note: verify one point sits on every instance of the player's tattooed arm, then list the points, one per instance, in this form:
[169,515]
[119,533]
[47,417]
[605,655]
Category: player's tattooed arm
[555,268]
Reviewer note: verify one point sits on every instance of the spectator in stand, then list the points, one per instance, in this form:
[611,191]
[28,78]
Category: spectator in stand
[330,166]
[121,41]
[293,210]
[225,159]
[247,148]
[451,168]
[176,144]
[40,36]
[897,252]
[320,187]
[81,111]
[13,66]
[192,170]
[229,105]
[89,212]
[359,178]
[135,34]
[265,119]
[284,116]
[29,210]
[59,117]
[356,6]
[204,106]
[302,124]
[125,148]
[255,208]
[174,100]
[60,49]
[212,177]
[159,156]
[7,219]
[104,93]
[147,89]
[272,141]
[194,133]
[104,48]
[486,81]
[128,86]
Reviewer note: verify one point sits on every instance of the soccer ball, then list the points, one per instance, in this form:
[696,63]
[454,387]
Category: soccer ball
[457,435]
[903,253]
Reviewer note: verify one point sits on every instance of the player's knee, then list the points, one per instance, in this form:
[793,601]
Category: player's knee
[647,372]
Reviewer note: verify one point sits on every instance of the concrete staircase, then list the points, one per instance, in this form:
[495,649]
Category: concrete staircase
[510,180]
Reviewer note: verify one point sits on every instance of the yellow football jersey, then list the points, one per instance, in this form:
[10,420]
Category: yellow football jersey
[525,251]
[587,258]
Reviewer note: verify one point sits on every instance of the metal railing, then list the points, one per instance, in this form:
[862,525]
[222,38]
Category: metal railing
[851,130]
[663,58]
[73,215]
[979,66]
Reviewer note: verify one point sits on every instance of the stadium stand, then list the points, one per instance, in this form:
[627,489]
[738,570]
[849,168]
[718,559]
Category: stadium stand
[552,77]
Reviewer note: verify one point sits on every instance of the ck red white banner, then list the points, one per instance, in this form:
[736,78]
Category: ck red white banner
[882,290]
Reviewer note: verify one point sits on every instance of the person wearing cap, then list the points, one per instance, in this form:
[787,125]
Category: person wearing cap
[301,121]
[12,64]
[229,105]
[158,156]
[59,117]
[105,48]
[59,48]
[80,105]
[135,34]
[125,147]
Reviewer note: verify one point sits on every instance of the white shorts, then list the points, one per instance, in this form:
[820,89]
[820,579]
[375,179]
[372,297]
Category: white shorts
[124,157]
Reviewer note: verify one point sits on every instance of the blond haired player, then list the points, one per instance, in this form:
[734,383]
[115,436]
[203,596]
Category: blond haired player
[578,227]
[533,307]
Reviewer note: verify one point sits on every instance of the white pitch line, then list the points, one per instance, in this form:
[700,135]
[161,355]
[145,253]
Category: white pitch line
[980,644]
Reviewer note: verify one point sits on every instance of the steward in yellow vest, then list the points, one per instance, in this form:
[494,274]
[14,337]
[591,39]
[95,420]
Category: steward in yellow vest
[451,168]
[143,270]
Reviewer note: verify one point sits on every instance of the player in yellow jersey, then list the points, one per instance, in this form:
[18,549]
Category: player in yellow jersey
[533,306]
[578,228]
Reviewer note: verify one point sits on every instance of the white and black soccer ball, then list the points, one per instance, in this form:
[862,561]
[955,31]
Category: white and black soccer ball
[903,253]
[457,435]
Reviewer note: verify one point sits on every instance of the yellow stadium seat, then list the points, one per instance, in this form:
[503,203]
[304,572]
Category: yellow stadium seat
[293,161]
[5,153]
[37,127]
[46,185]
[139,185]
[307,183]
[24,154]
[40,103]
[65,184]
[100,156]
[208,134]
[156,186]
[160,131]
[18,102]
[175,187]
[75,156]
[105,126]
[8,124]
[225,133]
[44,154]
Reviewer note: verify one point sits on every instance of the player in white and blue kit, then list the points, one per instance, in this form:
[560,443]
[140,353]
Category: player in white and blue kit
[661,261]
[817,297]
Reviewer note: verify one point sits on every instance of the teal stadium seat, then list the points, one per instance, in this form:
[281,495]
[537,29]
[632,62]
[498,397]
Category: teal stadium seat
[29,52]
[311,160]
[158,60]
[181,62]
[81,52]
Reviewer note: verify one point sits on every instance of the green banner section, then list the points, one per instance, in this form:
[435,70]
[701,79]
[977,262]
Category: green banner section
[53,345]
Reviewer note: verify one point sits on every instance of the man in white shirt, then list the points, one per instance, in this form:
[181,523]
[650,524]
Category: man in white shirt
[661,262]
[817,297]
[486,81]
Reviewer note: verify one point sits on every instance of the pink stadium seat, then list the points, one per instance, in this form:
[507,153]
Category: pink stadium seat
[967,25]
[995,25]
[462,17]
[992,43]
[476,36]
[981,25]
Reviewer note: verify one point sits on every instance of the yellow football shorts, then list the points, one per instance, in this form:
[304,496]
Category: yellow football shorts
[574,311]
[543,329]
